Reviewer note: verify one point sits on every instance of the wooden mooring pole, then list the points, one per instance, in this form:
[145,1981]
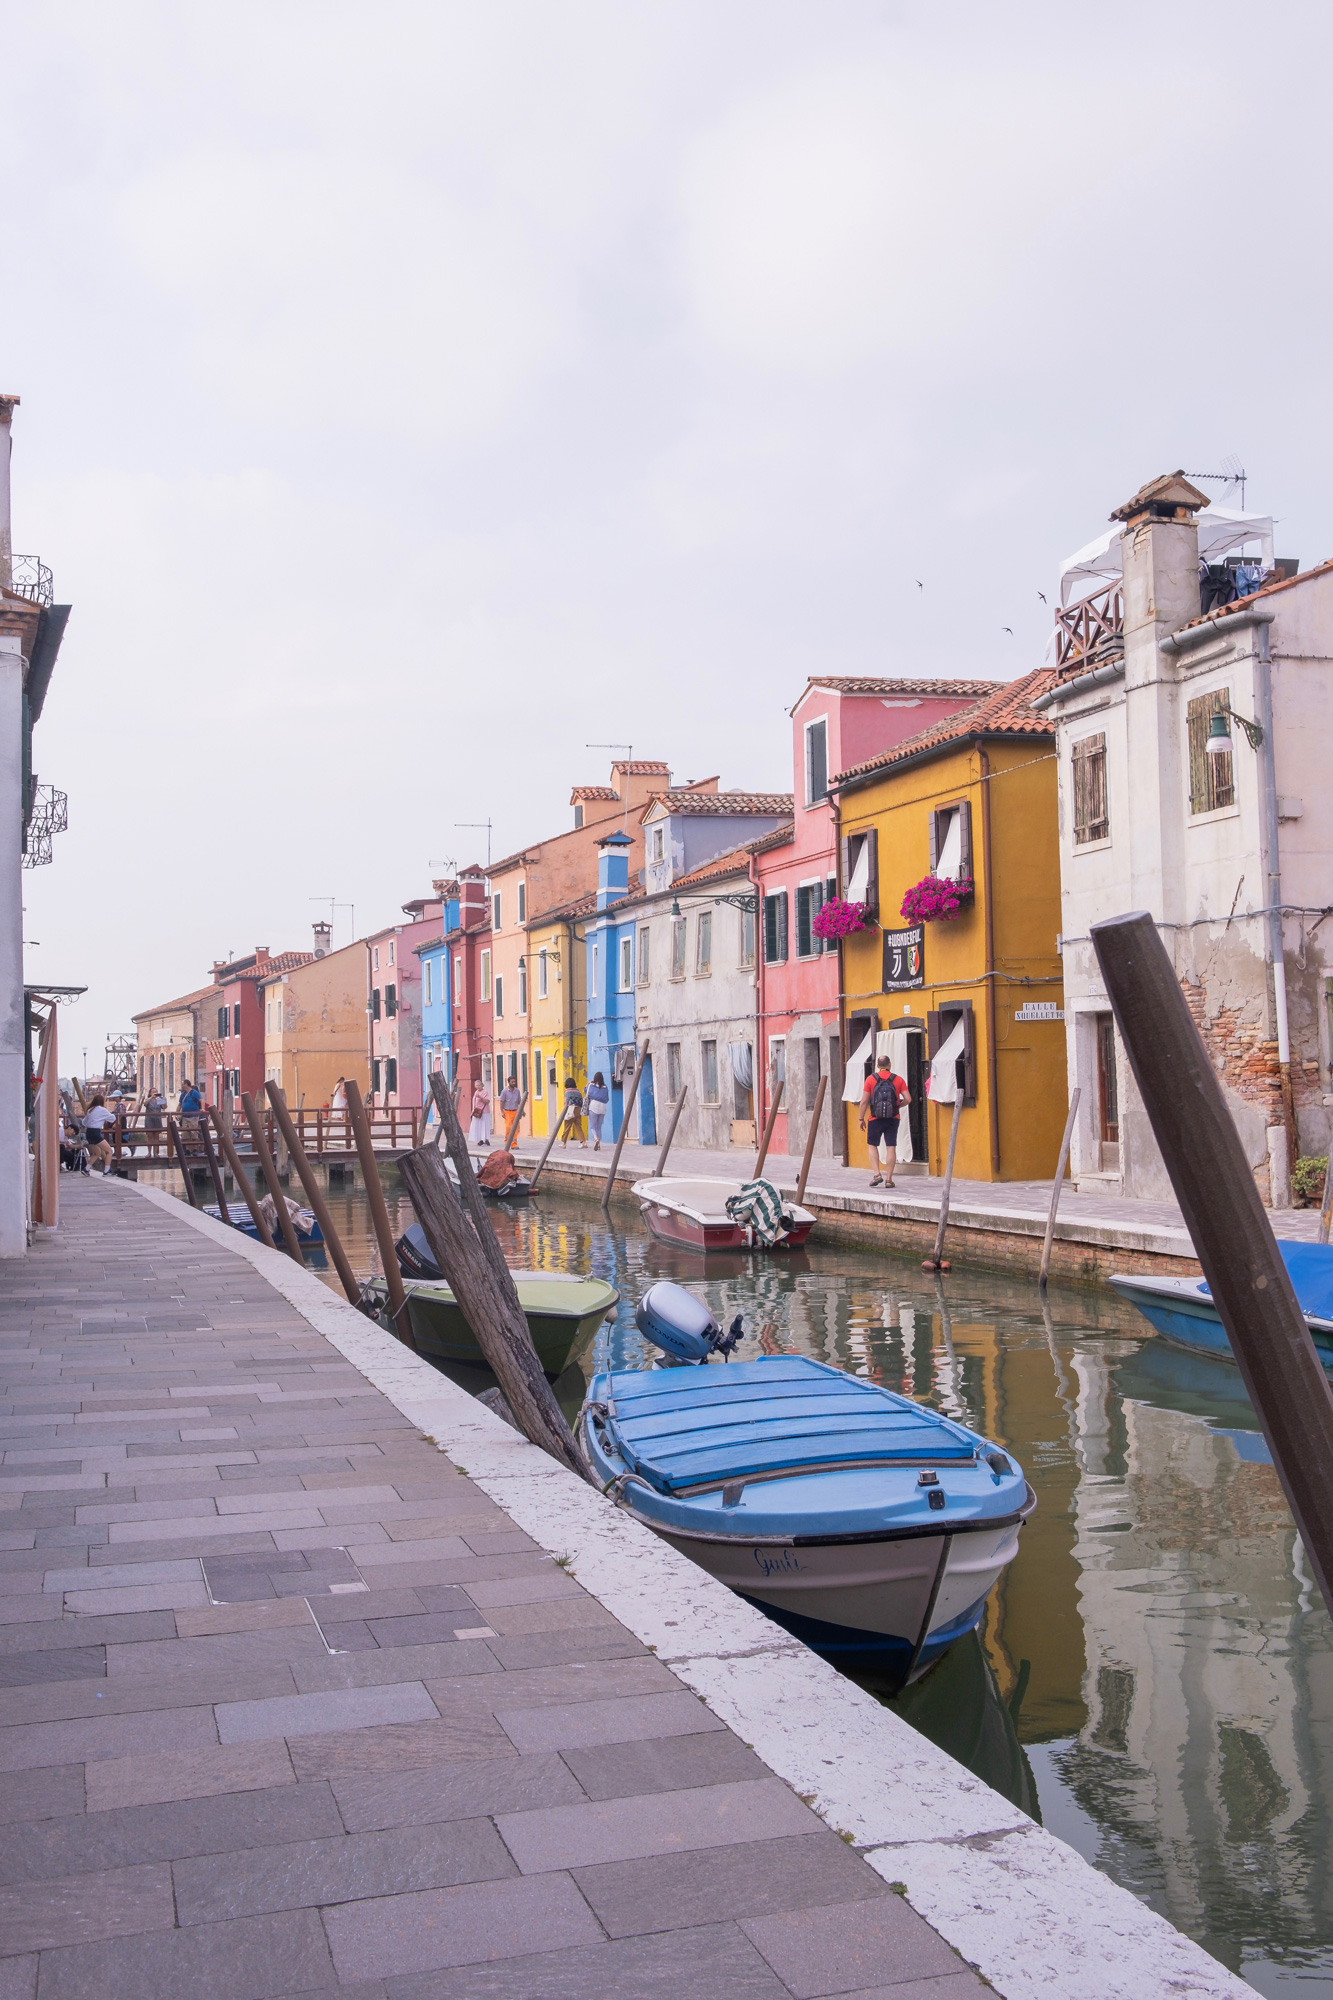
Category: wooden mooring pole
[174,1140]
[935,1262]
[1326,1205]
[379,1215]
[1056,1185]
[624,1127]
[516,1122]
[809,1153]
[313,1193]
[213,1168]
[231,1156]
[679,1106]
[554,1134]
[464,1245]
[290,1240]
[1232,1235]
[769,1123]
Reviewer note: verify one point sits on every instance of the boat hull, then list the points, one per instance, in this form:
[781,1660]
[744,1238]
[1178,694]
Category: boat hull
[1175,1309]
[442,1335]
[696,1218]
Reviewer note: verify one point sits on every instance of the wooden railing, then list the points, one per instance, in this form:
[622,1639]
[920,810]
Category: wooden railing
[1090,632]
[324,1134]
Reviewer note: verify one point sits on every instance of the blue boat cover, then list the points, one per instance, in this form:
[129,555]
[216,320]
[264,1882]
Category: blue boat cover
[686,1427]
[1310,1268]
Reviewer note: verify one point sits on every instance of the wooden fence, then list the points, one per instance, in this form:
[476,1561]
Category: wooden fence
[394,1128]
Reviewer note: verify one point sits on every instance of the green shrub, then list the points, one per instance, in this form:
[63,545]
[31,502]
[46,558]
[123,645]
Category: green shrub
[1307,1178]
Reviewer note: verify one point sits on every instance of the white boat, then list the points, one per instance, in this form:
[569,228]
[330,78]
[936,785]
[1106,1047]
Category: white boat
[694,1212]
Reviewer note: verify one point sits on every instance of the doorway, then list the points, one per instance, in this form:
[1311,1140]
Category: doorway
[1108,1097]
[647,1106]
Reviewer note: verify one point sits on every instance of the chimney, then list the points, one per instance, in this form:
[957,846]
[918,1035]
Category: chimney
[323,938]
[612,868]
[8,405]
[1160,560]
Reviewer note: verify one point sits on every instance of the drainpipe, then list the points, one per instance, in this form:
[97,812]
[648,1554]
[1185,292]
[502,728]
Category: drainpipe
[992,1078]
[837,1109]
[1273,890]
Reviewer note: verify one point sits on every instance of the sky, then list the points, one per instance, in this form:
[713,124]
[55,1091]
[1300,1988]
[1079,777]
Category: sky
[414,395]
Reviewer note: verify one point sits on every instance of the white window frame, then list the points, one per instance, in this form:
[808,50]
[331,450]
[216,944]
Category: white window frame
[538,1073]
[679,947]
[777,1054]
[543,974]
[495,910]
[820,722]
[499,1000]
[626,961]
[642,956]
[716,1097]
[458,979]
[522,987]
[593,969]
[522,902]
[659,843]
[427,984]
[391,951]
[484,977]
[703,945]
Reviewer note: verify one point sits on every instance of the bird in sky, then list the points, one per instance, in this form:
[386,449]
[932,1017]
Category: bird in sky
[1042,595]
[918,583]
[1010,630]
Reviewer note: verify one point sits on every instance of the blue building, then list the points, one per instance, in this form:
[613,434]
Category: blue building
[437,1047]
[609,944]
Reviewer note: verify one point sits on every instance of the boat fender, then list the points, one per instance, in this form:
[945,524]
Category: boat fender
[998,1464]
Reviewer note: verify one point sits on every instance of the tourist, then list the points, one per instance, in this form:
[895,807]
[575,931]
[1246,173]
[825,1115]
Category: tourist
[154,1117]
[95,1125]
[573,1106]
[192,1106]
[596,1099]
[510,1099]
[881,1101]
[479,1131]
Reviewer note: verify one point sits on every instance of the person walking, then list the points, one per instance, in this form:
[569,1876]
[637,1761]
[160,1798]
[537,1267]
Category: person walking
[573,1106]
[596,1100]
[154,1121]
[881,1103]
[510,1099]
[479,1131]
[95,1128]
[191,1110]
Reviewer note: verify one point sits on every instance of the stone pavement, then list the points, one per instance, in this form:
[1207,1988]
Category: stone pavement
[289,1706]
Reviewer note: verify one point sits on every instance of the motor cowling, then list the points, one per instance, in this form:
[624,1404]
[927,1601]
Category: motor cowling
[674,1320]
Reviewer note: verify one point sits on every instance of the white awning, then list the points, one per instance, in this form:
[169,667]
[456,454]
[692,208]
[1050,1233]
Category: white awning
[1222,530]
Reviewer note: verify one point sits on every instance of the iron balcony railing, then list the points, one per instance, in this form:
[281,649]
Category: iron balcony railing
[31,578]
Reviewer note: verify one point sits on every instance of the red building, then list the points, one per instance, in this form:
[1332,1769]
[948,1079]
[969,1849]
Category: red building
[393,976]
[471,985]
[836,723]
[233,1021]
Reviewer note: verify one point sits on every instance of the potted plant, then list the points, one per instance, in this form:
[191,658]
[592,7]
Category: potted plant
[936,898]
[838,919]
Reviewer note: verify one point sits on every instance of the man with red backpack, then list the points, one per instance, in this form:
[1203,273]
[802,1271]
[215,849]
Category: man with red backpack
[881,1102]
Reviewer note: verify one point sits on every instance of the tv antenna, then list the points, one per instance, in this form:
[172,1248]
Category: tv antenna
[478,824]
[628,748]
[1233,473]
[334,904]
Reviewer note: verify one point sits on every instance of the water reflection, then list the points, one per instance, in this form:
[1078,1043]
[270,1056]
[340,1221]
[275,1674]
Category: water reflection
[1154,1675]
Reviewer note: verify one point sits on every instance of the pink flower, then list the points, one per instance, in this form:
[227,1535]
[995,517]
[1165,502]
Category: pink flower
[935,899]
[837,919]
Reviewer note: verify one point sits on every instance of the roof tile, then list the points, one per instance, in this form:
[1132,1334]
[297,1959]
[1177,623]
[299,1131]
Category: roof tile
[722,805]
[1007,711]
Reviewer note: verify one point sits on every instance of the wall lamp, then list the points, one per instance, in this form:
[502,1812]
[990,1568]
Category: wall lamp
[1219,742]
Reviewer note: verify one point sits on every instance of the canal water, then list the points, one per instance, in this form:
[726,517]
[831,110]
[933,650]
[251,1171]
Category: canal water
[1153,1680]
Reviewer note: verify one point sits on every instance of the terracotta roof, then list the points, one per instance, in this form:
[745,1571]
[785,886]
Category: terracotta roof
[858,684]
[638,769]
[174,1006]
[736,861]
[582,906]
[283,961]
[595,792]
[781,836]
[1264,590]
[721,805]
[1007,711]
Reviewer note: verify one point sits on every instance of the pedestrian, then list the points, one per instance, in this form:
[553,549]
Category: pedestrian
[95,1126]
[192,1105]
[479,1131]
[154,1120]
[510,1099]
[573,1108]
[596,1100]
[881,1102]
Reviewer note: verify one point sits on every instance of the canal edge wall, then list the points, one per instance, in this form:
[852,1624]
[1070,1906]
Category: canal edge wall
[1017,1904]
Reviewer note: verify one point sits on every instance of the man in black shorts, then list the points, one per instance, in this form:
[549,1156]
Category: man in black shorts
[881,1102]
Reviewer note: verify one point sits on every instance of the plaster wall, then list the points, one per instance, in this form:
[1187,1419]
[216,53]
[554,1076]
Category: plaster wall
[13,1049]
[715,1006]
[318,1034]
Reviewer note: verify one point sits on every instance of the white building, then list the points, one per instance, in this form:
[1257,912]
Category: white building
[1228,848]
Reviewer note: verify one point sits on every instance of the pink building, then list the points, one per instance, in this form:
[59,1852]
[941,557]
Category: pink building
[393,982]
[836,723]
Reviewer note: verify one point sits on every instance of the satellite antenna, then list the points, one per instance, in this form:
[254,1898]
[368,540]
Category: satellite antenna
[1233,473]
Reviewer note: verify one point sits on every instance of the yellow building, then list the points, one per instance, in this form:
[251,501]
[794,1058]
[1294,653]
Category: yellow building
[555,974]
[316,1027]
[973,800]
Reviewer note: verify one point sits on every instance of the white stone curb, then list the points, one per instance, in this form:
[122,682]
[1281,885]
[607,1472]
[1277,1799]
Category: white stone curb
[1027,1911]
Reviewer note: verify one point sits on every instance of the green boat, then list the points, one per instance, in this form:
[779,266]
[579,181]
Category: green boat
[563,1312]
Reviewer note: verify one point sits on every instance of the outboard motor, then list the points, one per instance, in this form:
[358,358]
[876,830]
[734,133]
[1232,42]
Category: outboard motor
[682,1326]
[414,1258]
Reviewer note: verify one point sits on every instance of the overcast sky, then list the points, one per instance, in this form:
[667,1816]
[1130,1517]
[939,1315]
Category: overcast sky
[416,393]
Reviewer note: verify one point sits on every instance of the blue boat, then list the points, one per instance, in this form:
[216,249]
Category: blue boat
[240,1219]
[870,1527]
[1182,1308]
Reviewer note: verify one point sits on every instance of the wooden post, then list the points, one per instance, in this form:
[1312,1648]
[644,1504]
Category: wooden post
[379,1215]
[254,1119]
[1056,1186]
[313,1193]
[1326,1206]
[233,1159]
[554,1134]
[771,1120]
[935,1262]
[119,1129]
[809,1153]
[174,1141]
[1232,1235]
[214,1170]
[660,1168]
[624,1127]
[516,1121]
[465,1247]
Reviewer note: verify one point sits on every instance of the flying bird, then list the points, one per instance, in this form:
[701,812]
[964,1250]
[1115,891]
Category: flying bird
[918,583]
[1042,595]
[1009,629]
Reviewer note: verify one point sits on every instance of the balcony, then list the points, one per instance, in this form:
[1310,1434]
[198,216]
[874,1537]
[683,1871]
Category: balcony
[32,579]
[1090,633]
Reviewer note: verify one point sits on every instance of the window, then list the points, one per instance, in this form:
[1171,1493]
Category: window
[426,999]
[523,902]
[860,869]
[391,951]
[458,980]
[486,1072]
[523,1071]
[390,1002]
[374,1075]
[268,1012]
[816,761]
[522,986]
[1091,818]
[499,996]
[141,1061]
[236,1018]
[537,1072]
[543,974]
[224,1015]
[809,898]
[777,1059]
[626,963]
[375,959]
[939,1027]
[552,1075]
[811,1052]
[951,842]
[391,1073]
[708,1051]
[673,1071]
[495,911]
[775,928]
[643,954]
[578,822]
[374,1005]
[594,968]
[678,947]
[747,939]
[658,843]
[703,942]
[484,979]
[437,1059]
[1212,781]
[171,1072]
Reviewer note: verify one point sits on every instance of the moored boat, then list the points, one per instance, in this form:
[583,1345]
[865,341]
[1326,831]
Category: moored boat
[563,1311]
[694,1212]
[1182,1309]
[869,1526]
[304,1223]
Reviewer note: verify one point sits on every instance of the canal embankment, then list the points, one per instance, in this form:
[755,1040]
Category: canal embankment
[641,1779]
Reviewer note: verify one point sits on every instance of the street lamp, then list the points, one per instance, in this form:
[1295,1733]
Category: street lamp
[1220,743]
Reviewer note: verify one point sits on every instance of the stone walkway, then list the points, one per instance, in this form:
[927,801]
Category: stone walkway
[289,1706]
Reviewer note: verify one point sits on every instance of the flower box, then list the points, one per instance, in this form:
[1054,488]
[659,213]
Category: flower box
[838,919]
[935,899]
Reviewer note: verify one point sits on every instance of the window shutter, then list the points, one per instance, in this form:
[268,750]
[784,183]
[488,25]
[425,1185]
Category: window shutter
[374,1003]
[390,1001]
[871,839]
[967,871]
[770,930]
[781,901]
[934,1039]
[846,862]
[969,1057]
[804,936]
[934,841]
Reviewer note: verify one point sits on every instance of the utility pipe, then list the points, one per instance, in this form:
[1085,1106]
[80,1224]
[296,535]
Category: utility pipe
[992,1065]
